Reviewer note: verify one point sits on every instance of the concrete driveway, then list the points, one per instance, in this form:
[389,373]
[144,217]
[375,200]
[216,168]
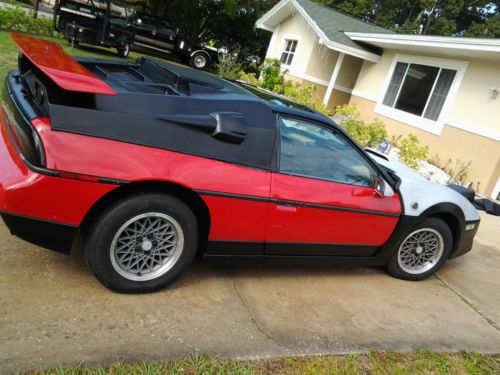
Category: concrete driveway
[52,310]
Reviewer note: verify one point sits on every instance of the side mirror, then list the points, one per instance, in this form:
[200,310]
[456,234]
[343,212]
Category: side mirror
[382,188]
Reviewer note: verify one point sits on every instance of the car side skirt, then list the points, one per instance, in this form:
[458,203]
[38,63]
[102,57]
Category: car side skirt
[47,234]
[293,260]
[216,247]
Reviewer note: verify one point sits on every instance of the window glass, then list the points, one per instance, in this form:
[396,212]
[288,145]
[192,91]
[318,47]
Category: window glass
[416,88]
[314,151]
[289,52]
[419,89]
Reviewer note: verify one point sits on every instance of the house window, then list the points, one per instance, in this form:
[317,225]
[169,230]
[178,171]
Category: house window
[419,89]
[289,51]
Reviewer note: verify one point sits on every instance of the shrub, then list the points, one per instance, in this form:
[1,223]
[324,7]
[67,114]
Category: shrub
[249,78]
[410,151]
[303,94]
[458,173]
[15,18]
[272,78]
[366,135]
[228,66]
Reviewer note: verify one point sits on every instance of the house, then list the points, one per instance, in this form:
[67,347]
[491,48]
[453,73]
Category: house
[443,89]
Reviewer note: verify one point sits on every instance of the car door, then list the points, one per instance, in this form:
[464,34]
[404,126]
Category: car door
[165,35]
[323,200]
[144,30]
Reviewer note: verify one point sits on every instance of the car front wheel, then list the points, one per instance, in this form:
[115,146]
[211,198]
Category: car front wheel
[143,243]
[199,60]
[424,250]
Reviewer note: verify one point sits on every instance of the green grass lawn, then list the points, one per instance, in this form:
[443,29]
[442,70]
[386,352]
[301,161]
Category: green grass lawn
[420,362]
[9,51]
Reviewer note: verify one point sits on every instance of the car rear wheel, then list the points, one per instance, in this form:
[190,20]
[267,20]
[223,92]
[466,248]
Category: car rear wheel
[141,244]
[423,251]
[199,60]
[123,49]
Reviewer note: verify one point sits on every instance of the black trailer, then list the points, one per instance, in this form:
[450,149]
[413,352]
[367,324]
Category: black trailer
[98,22]
[112,24]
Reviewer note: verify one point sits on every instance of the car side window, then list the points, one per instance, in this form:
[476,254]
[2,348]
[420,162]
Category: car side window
[311,150]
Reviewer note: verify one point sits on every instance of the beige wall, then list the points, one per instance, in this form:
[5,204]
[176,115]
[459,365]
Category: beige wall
[337,97]
[472,104]
[313,63]
[452,143]
[471,128]
[321,62]
[349,72]
[294,28]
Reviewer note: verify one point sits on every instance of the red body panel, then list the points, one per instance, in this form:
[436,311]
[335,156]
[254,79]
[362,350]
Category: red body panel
[237,219]
[24,192]
[51,59]
[250,216]
[230,218]
[329,226]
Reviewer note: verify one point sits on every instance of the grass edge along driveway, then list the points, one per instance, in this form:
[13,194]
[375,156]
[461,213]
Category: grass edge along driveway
[419,362]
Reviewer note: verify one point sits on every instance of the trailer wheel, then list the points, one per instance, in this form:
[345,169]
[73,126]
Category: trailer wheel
[123,49]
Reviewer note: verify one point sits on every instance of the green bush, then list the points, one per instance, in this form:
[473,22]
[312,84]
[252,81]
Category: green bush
[15,18]
[410,151]
[303,94]
[228,66]
[366,135]
[272,78]
[249,78]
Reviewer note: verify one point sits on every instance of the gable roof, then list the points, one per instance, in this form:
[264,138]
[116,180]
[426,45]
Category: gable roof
[330,25]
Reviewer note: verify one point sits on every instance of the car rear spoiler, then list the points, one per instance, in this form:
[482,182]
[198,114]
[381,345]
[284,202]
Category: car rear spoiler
[65,72]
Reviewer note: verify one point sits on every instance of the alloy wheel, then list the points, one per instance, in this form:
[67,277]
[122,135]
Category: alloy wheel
[146,246]
[420,251]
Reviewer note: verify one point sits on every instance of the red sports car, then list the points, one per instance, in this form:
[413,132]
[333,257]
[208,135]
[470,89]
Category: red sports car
[154,164]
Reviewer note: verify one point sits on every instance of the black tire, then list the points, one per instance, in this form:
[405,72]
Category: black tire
[110,223]
[123,49]
[430,227]
[199,60]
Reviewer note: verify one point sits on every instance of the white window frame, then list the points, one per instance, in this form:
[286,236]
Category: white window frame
[420,122]
[289,38]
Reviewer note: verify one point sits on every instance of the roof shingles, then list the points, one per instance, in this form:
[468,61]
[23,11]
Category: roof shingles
[333,24]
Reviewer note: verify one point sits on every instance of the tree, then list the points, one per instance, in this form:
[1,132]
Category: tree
[226,22]
[491,28]
[433,17]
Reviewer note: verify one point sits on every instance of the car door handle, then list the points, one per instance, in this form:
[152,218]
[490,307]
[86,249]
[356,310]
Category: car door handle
[287,203]
[288,206]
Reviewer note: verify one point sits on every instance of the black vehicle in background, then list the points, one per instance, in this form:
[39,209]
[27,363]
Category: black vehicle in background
[161,35]
[99,22]
[112,24]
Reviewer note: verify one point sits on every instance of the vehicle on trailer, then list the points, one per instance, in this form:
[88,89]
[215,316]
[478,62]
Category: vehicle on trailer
[95,22]
[163,36]
[154,163]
